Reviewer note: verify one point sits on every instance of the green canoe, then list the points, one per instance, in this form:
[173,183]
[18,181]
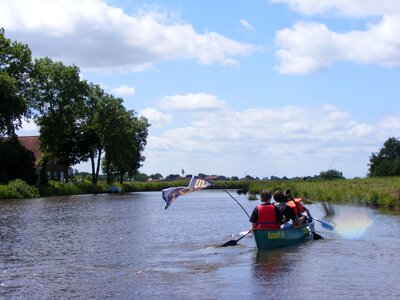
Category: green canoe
[270,239]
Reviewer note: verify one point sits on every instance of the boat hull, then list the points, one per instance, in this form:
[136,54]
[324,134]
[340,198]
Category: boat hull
[271,239]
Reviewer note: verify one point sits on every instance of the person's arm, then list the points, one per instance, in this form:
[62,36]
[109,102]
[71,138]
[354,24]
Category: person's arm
[253,218]
[279,216]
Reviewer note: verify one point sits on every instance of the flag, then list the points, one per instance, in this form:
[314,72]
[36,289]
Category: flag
[195,184]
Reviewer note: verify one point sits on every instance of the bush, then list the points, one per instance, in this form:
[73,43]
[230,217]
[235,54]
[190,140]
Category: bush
[18,189]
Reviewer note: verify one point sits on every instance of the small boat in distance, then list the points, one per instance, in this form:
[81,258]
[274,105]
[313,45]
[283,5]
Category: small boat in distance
[277,238]
[114,190]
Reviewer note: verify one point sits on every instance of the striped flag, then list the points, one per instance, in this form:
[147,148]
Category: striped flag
[196,183]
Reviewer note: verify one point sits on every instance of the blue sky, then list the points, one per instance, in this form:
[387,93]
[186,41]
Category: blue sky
[235,88]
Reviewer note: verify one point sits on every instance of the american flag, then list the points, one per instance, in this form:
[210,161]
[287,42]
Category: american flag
[196,183]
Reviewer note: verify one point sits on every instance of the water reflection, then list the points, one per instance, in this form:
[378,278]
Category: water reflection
[270,264]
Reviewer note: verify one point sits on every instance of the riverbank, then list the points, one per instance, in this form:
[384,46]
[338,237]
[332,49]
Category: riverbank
[378,192]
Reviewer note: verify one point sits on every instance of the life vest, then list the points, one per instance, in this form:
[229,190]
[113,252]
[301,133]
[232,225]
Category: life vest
[296,205]
[267,217]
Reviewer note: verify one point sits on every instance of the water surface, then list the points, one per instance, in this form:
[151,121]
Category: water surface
[129,247]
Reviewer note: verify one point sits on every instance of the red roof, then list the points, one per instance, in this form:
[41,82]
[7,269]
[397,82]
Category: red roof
[32,143]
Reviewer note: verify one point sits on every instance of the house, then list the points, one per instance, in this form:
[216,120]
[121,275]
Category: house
[53,169]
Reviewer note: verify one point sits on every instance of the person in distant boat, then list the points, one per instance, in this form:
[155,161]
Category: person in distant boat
[297,206]
[266,215]
[287,210]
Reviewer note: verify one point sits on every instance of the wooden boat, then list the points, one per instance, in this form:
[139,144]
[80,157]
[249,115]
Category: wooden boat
[270,239]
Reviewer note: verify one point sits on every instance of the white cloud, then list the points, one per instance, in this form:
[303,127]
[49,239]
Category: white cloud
[282,141]
[124,90]
[309,47]
[353,8]
[246,24]
[192,102]
[28,128]
[95,35]
[156,118]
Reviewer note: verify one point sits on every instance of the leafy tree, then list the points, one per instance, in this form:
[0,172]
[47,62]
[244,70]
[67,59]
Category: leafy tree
[386,162]
[16,162]
[331,174]
[15,68]
[59,95]
[173,177]
[248,177]
[141,177]
[125,145]
[156,176]
[95,124]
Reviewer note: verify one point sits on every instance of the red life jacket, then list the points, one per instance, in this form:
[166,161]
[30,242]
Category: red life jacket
[296,205]
[267,217]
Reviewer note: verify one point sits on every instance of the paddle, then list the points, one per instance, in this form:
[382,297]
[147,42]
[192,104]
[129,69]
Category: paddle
[236,202]
[234,242]
[327,225]
[316,236]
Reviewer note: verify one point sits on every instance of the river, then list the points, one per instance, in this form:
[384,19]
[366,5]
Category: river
[129,247]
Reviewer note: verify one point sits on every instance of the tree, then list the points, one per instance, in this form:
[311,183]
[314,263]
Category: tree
[15,68]
[16,162]
[94,125]
[331,174]
[59,96]
[386,162]
[156,176]
[141,177]
[125,145]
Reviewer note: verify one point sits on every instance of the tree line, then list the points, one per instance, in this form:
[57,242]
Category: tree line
[78,121]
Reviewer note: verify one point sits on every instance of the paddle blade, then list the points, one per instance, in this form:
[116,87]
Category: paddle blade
[316,236]
[327,225]
[230,243]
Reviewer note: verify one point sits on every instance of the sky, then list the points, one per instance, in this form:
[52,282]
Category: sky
[233,87]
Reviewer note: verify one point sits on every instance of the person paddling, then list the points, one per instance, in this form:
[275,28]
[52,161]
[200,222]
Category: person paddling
[297,206]
[287,210]
[266,215]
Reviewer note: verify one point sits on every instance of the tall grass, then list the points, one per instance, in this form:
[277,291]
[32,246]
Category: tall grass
[381,192]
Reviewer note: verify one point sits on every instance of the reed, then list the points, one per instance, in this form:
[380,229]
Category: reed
[382,192]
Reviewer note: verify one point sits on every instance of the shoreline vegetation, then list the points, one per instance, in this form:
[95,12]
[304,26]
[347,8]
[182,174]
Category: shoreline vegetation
[376,192]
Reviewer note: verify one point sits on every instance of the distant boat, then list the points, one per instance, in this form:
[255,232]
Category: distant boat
[277,238]
[114,189]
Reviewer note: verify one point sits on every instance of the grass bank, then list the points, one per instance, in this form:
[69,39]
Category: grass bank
[382,192]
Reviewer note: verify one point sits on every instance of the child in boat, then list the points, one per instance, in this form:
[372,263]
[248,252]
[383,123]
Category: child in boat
[297,206]
[266,215]
[287,211]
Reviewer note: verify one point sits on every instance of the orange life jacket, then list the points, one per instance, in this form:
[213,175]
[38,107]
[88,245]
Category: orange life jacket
[296,205]
[267,217]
